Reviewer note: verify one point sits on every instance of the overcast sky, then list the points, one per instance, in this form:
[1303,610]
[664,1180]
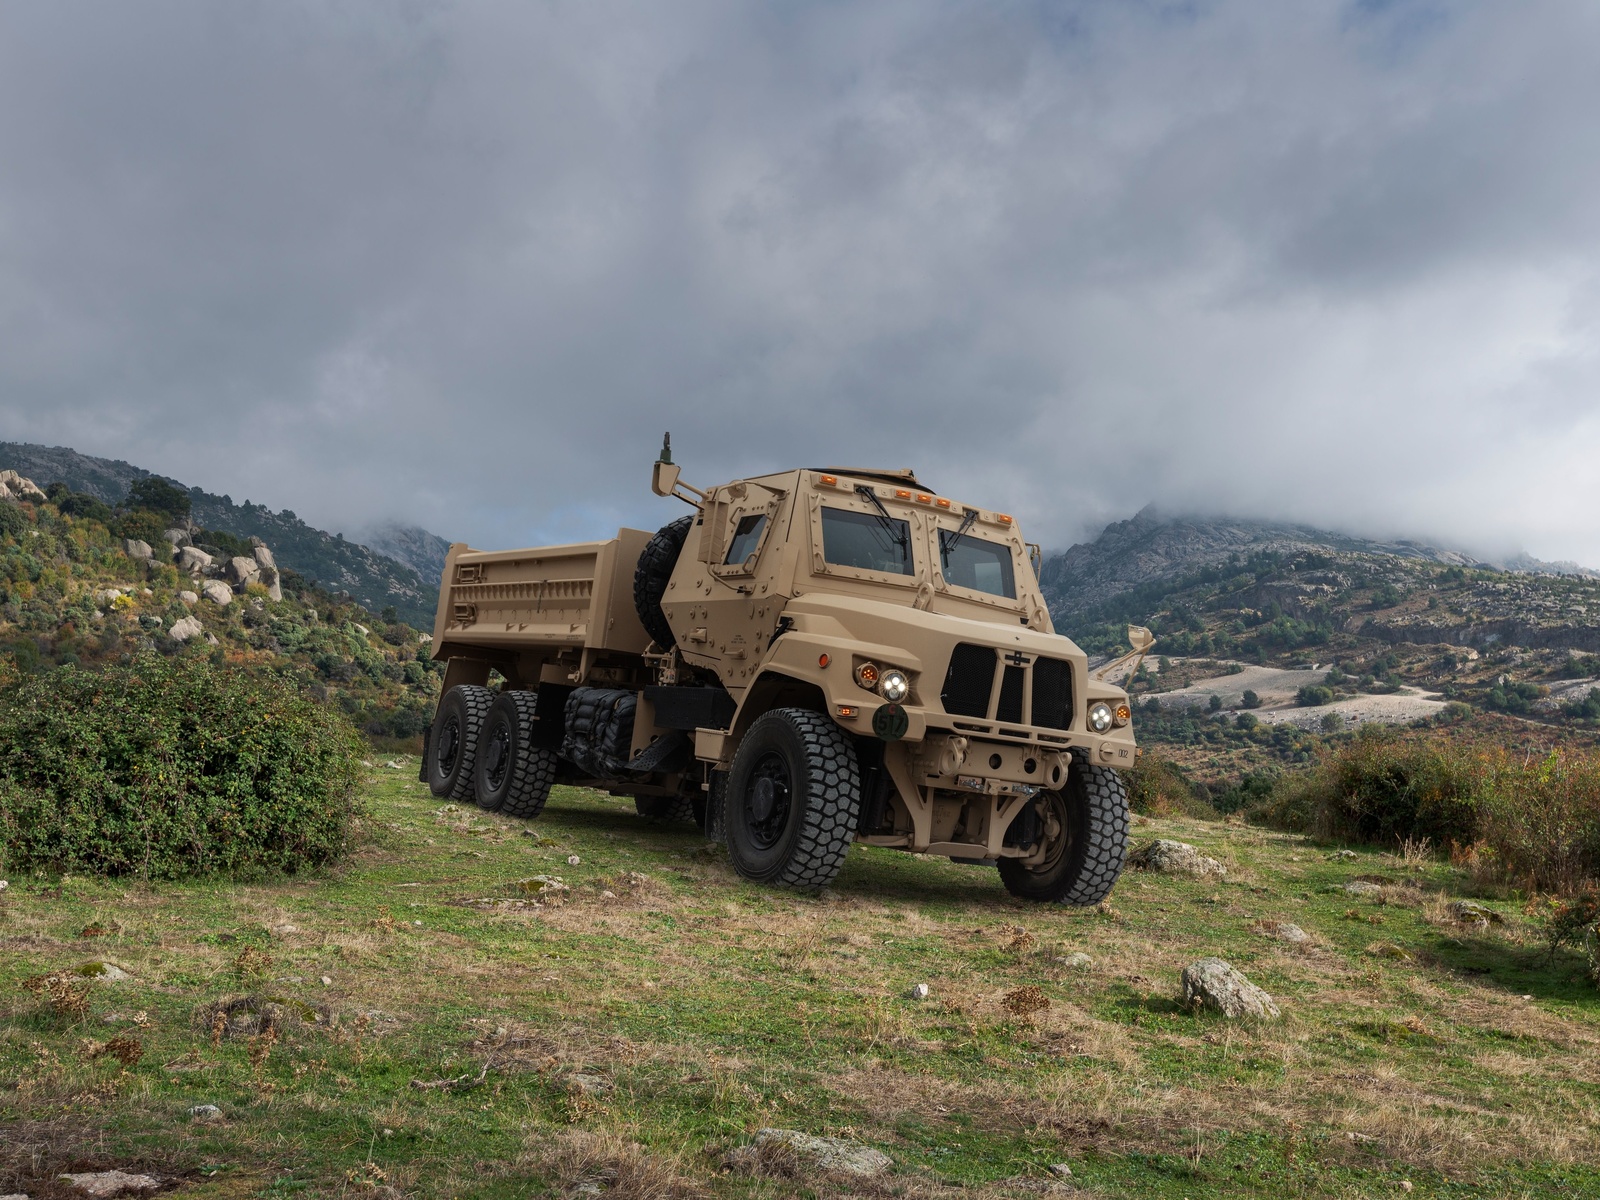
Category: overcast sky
[461,264]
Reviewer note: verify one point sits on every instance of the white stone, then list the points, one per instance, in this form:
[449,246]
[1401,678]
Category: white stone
[205,1112]
[242,570]
[1174,858]
[834,1155]
[217,592]
[135,548]
[178,538]
[1363,887]
[921,992]
[1284,931]
[273,581]
[1213,984]
[18,487]
[189,598]
[111,1183]
[193,559]
[264,557]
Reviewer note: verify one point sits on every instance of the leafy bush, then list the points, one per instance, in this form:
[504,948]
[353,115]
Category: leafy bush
[1542,818]
[157,495]
[1311,695]
[171,768]
[1250,699]
[13,521]
[1158,788]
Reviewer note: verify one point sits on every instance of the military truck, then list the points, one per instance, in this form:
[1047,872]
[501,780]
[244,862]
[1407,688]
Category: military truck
[805,660]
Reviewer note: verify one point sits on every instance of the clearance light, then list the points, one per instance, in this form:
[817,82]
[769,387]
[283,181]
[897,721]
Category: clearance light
[1124,714]
[901,494]
[830,480]
[942,502]
[849,711]
[1002,518]
[823,660]
[924,498]
[867,675]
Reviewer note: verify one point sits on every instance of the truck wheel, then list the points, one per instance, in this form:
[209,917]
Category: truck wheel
[650,577]
[453,744]
[1085,831]
[665,808]
[791,800]
[513,776]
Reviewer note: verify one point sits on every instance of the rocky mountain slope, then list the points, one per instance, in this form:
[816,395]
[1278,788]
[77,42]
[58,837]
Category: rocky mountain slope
[372,577]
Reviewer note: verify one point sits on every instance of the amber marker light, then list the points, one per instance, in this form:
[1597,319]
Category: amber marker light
[867,675]
[942,502]
[1124,714]
[901,494]
[849,711]
[830,480]
[924,498]
[823,660]
[1002,518]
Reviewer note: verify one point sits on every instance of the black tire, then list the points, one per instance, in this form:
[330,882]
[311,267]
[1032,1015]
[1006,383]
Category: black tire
[665,808]
[453,743]
[791,800]
[1086,825]
[650,578]
[513,776]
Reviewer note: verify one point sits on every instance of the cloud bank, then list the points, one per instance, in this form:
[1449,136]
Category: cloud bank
[463,264]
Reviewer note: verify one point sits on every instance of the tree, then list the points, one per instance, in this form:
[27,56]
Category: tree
[1216,703]
[157,495]
[1250,699]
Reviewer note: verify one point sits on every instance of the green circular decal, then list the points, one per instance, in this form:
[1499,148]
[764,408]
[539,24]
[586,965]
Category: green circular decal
[890,722]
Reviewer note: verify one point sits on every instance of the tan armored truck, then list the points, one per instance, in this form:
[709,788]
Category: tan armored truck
[807,659]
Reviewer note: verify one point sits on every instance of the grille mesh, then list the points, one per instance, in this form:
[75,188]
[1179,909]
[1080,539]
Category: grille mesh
[969,681]
[1010,707]
[1052,693]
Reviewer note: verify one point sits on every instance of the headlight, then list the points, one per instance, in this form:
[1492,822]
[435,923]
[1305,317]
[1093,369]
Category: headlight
[1100,717]
[894,686]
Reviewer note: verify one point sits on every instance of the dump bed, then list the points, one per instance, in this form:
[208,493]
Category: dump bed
[544,597]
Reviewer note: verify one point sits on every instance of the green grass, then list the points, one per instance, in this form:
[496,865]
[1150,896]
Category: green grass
[711,1008]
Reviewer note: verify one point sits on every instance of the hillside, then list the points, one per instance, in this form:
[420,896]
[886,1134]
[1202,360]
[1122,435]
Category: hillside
[371,577]
[78,585]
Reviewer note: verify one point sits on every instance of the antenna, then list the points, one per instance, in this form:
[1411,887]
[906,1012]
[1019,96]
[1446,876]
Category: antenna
[666,448]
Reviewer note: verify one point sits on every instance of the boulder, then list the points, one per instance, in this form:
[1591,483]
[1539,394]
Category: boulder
[106,595]
[101,1184]
[179,538]
[264,557]
[833,1156]
[1174,858]
[241,570]
[1284,931]
[1213,984]
[189,598]
[269,577]
[192,559]
[16,487]
[218,593]
[1470,912]
[185,628]
[134,548]
[1363,887]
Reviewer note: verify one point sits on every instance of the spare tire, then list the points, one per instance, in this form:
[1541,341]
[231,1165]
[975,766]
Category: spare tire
[650,577]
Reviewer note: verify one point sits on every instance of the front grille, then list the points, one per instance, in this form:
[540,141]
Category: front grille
[1052,693]
[1010,707]
[969,681]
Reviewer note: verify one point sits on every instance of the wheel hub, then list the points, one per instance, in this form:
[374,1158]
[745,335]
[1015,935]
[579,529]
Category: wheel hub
[449,744]
[499,747]
[767,802]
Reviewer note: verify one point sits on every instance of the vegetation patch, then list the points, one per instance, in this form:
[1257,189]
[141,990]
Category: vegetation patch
[166,768]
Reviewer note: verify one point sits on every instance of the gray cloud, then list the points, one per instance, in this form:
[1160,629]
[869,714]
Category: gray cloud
[461,265]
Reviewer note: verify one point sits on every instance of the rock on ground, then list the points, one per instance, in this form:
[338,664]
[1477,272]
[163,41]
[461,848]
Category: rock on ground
[920,992]
[274,584]
[1213,984]
[1284,931]
[1363,887]
[189,598]
[18,487]
[177,538]
[217,592]
[1470,912]
[242,570]
[111,1183]
[1176,858]
[264,557]
[833,1155]
[135,548]
[192,559]
[205,1112]
[185,628]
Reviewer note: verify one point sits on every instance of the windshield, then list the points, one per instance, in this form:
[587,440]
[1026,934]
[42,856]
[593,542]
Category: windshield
[866,541]
[979,565]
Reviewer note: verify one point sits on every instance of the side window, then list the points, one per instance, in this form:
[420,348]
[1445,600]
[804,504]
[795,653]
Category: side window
[746,538]
[866,541]
[979,565]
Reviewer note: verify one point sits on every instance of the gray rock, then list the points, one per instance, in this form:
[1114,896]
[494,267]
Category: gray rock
[242,570]
[109,972]
[17,487]
[1213,984]
[205,1112]
[218,593]
[185,628]
[921,992]
[211,639]
[1174,858]
[1078,961]
[189,598]
[134,548]
[192,559]
[177,538]
[15,1196]
[269,577]
[1284,931]
[264,557]
[1061,1170]
[581,1083]
[1363,887]
[1470,912]
[833,1155]
[111,1183]
[106,596]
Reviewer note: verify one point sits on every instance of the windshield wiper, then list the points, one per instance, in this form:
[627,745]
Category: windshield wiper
[890,526]
[948,540]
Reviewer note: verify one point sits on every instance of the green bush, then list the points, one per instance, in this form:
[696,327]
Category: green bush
[1311,696]
[1159,788]
[170,768]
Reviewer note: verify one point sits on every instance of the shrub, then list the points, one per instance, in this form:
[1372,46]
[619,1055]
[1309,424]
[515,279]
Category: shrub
[1542,818]
[13,521]
[1157,787]
[171,768]
[1311,696]
[1250,699]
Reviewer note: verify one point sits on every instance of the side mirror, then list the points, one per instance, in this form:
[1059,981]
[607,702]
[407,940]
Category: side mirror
[1140,638]
[664,478]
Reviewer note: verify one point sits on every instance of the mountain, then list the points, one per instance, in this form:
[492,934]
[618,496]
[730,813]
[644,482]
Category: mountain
[420,550]
[374,579]
[1153,546]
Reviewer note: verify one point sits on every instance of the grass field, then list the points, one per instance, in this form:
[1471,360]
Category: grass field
[625,1034]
